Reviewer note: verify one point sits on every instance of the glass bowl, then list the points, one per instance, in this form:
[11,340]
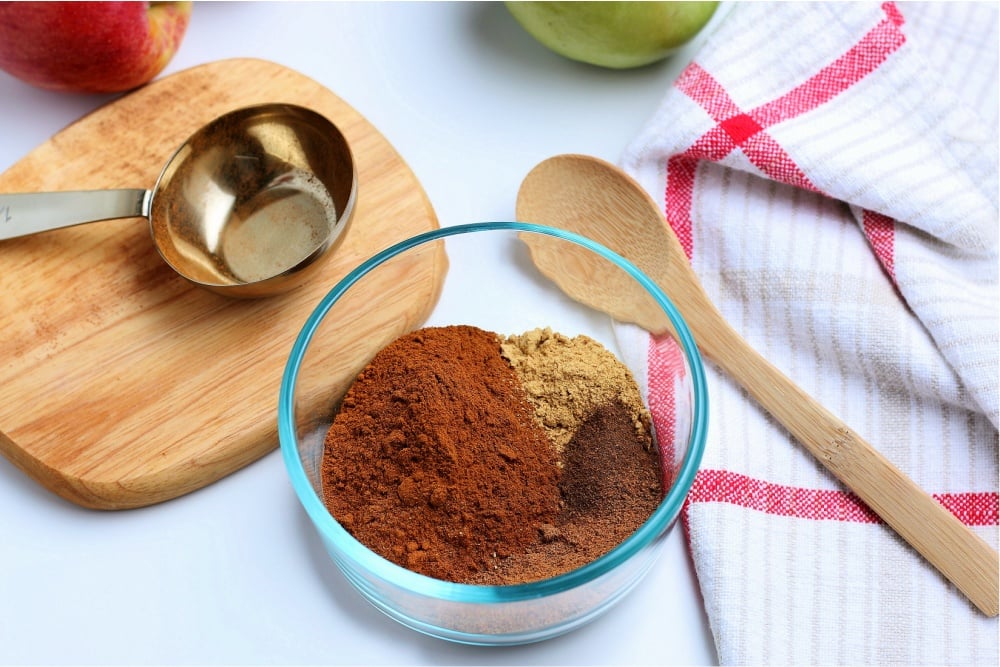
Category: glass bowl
[492,283]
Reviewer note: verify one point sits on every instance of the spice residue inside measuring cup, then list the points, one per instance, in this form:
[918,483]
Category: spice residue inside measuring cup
[274,228]
[479,458]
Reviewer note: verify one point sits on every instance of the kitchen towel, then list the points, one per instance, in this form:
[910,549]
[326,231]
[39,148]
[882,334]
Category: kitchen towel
[831,172]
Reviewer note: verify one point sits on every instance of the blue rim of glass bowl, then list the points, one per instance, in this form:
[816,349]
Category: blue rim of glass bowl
[419,584]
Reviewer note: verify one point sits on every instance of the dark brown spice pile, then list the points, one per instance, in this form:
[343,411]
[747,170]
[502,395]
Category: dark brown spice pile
[609,486]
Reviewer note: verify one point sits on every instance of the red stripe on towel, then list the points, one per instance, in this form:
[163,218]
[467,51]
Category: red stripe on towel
[746,130]
[722,486]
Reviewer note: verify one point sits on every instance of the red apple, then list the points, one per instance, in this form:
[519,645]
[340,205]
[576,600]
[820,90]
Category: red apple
[96,47]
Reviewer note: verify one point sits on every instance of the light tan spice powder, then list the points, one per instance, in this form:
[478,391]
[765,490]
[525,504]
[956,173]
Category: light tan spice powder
[567,379]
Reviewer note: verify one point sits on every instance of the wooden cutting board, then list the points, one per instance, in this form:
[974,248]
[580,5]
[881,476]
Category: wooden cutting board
[121,385]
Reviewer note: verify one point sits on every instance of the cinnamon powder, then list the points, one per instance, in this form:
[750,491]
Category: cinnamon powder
[435,461]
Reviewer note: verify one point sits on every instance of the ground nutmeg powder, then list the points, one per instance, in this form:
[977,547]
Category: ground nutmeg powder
[477,458]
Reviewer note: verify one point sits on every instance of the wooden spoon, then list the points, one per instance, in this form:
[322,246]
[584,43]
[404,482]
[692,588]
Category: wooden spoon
[596,199]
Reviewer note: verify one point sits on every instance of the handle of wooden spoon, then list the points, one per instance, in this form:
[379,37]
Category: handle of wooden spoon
[964,558]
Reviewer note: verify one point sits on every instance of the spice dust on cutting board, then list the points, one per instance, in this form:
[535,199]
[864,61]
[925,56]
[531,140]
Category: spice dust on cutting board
[473,457]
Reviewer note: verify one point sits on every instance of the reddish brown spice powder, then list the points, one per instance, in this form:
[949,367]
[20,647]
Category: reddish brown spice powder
[434,460]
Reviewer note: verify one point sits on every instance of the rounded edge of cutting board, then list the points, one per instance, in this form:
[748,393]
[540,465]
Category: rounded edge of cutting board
[137,473]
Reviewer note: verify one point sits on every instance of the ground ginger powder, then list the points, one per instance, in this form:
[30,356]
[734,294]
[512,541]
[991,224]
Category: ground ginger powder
[567,379]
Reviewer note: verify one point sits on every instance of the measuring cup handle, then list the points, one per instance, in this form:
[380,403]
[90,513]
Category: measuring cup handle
[29,213]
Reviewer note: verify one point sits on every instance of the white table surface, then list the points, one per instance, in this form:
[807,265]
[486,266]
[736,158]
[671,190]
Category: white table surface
[233,573]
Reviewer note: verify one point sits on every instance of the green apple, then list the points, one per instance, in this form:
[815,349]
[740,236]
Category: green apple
[618,35]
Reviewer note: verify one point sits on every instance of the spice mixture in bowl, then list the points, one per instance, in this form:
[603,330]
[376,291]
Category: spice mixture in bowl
[493,475]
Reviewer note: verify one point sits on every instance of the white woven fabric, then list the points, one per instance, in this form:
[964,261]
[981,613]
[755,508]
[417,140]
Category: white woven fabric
[831,170]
